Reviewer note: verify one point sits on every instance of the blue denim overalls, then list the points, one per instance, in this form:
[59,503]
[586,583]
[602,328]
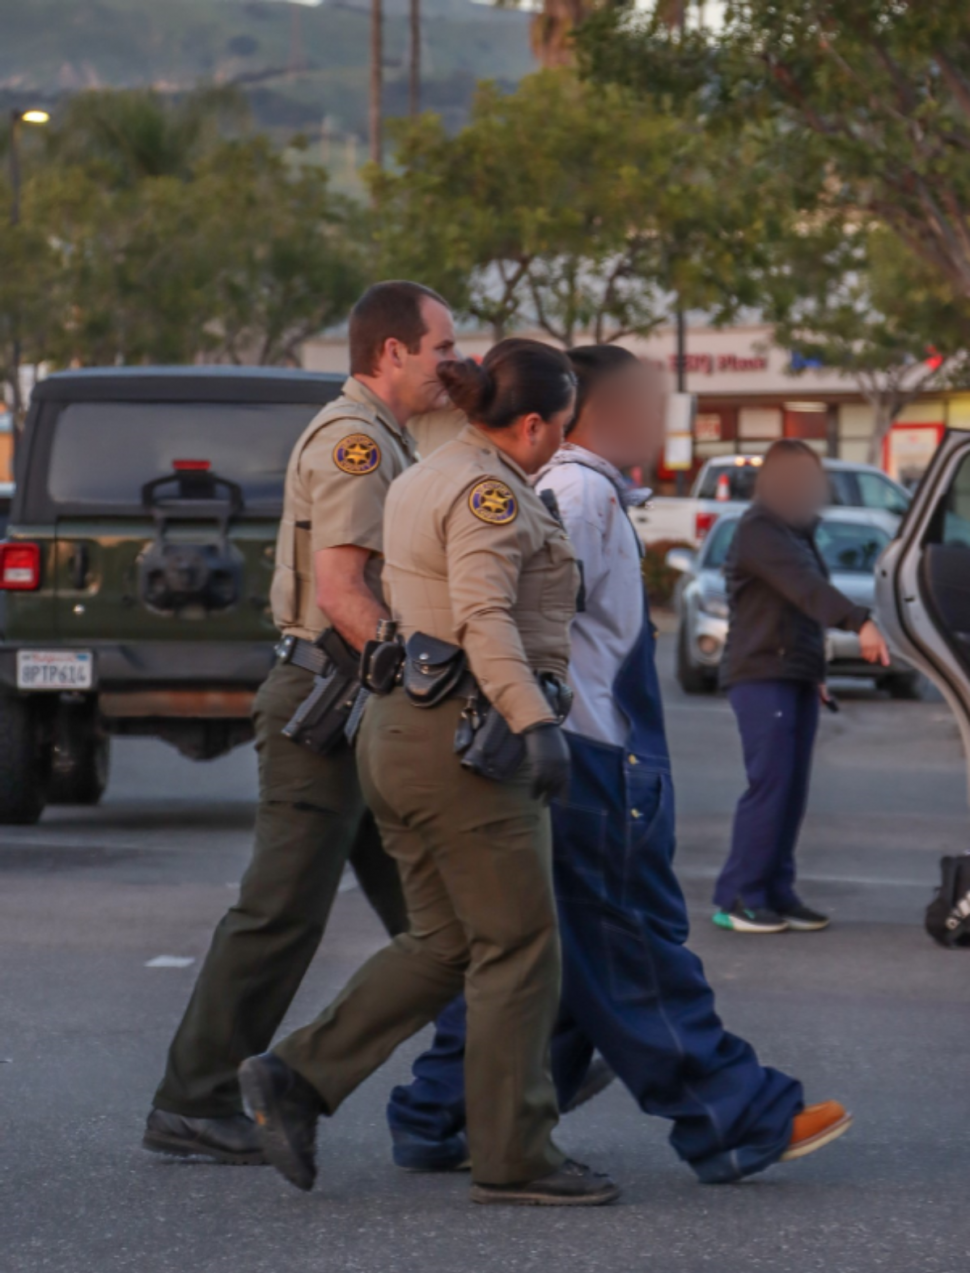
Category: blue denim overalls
[630,986]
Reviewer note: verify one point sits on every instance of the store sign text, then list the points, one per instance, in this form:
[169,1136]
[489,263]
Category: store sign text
[708,364]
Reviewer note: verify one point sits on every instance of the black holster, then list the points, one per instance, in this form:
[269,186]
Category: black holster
[320,722]
[486,744]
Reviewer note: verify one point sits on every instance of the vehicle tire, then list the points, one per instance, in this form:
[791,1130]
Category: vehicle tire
[693,680]
[81,760]
[25,761]
[906,687]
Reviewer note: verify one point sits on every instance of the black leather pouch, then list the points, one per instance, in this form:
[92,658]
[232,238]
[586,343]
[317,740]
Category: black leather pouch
[432,669]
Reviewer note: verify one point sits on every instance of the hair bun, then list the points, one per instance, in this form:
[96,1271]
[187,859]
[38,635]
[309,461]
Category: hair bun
[470,387]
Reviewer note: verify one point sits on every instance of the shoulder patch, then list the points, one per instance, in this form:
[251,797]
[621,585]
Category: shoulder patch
[357,454]
[492,501]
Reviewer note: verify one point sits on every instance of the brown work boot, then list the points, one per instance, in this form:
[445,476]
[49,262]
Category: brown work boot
[571,1185]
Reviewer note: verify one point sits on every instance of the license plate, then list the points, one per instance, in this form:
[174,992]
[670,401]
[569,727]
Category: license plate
[55,669]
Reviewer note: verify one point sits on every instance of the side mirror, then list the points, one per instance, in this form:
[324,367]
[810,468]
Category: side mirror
[682,560]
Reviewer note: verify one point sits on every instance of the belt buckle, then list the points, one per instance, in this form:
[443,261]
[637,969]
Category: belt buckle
[284,649]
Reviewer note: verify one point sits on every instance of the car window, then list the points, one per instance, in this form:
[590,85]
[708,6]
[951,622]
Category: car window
[718,542]
[740,478]
[842,491]
[849,548]
[104,452]
[879,492]
[956,508]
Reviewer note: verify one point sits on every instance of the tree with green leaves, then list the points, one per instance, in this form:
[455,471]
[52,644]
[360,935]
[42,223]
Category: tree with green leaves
[146,237]
[849,297]
[878,89]
[574,208]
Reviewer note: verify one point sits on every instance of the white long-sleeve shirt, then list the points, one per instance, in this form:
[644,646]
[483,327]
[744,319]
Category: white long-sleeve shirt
[587,489]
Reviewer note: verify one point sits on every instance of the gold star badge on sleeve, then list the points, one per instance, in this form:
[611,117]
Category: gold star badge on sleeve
[492,501]
[357,455]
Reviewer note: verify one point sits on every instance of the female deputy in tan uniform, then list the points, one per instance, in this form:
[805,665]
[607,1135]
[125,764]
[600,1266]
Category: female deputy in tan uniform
[476,565]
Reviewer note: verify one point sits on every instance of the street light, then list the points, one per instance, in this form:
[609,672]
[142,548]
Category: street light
[16,119]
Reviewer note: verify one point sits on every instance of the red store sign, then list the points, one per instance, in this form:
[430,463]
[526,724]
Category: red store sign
[708,364]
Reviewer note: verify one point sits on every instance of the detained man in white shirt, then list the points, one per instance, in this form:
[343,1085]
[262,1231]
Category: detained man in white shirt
[631,988]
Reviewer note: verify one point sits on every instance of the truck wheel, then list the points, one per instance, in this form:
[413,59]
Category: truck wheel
[82,756]
[25,761]
[693,680]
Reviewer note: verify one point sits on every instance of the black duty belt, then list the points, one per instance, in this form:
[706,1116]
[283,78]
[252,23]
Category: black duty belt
[303,654]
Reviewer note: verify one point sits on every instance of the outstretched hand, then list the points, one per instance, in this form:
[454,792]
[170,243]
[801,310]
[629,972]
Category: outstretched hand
[873,644]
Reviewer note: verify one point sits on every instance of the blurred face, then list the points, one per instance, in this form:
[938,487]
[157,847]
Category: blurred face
[623,417]
[416,383]
[794,487]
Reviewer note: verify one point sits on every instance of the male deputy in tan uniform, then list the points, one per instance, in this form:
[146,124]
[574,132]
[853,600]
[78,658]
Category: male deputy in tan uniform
[311,817]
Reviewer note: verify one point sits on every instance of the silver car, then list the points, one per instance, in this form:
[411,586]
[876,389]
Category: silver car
[923,581]
[850,545]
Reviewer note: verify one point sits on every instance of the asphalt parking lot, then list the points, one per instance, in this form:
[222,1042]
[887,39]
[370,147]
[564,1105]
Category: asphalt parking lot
[105,915]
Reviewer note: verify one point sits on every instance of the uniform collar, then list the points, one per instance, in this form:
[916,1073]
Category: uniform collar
[475,437]
[358,392]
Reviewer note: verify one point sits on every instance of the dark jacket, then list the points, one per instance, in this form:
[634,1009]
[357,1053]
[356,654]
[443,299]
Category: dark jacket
[780,602]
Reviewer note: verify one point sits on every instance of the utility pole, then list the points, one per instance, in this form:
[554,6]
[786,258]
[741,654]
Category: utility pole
[681,321]
[414,78]
[376,82]
[17,119]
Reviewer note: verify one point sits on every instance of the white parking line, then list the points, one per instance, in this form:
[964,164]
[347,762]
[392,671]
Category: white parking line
[170,961]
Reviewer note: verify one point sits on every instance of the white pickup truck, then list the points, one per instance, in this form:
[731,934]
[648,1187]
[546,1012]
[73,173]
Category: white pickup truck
[726,484]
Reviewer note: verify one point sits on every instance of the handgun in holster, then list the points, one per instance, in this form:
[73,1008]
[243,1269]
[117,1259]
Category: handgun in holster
[382,660]
[320,722]
[484,740]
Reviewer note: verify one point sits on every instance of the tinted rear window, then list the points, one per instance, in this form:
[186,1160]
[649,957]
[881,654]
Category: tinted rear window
[104,452]
[741,479]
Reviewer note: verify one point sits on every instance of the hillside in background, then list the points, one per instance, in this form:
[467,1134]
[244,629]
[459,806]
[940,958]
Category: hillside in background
[297,64]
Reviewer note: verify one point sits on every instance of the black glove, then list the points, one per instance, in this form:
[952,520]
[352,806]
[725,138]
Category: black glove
[548,754]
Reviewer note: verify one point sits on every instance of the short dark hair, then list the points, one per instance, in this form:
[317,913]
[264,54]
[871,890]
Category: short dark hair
[790,448]
[593,364]
[387,311]
[515,378]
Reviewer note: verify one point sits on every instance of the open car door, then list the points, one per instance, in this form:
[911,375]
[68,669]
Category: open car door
[923,579]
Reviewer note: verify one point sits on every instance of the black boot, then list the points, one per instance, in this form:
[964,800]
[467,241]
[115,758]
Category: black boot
[285,1108]
[598,1078]
[572,1185]
[233,1139]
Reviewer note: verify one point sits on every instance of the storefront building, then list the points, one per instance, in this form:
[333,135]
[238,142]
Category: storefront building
[749,394]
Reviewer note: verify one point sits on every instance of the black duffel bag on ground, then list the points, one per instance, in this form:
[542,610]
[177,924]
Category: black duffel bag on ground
[948,915]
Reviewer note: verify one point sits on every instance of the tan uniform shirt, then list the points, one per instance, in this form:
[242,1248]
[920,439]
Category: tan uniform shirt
[336,485]
[434,428]
[474,557]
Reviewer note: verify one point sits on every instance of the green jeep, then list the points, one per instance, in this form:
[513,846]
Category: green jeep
[135,577]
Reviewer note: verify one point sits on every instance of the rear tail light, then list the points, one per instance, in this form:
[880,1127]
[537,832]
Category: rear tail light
[19,567]
[703,523]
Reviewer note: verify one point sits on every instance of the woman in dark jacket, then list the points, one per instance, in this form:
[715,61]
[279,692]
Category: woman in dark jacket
[781,602]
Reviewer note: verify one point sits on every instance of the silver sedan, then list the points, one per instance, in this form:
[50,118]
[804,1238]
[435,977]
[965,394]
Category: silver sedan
[850,545]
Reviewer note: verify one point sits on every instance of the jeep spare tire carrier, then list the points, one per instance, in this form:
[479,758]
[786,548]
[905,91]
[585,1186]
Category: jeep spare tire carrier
[180,578]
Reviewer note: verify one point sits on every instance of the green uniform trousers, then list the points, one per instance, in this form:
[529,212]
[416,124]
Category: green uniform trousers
[311,819]
[475,862]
